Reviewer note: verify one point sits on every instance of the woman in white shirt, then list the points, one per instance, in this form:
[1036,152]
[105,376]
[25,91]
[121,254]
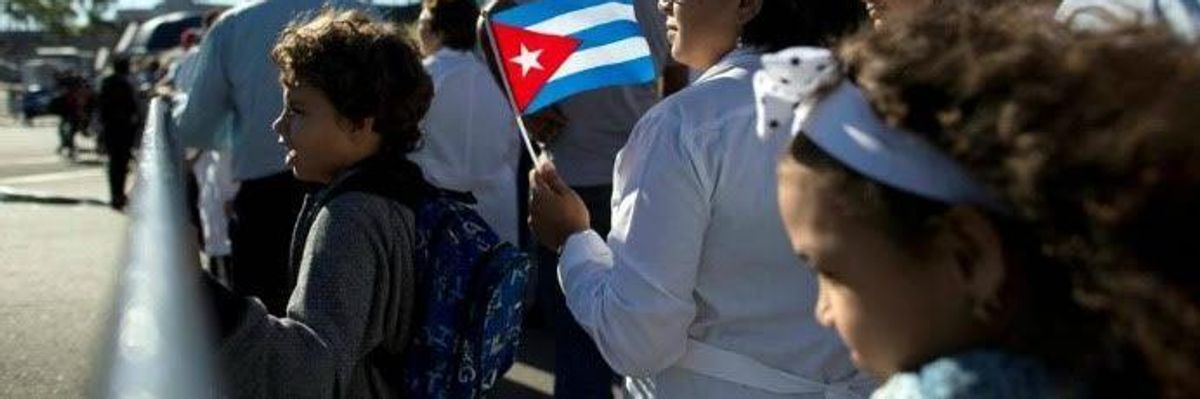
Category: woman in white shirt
[471,141]
[696,293]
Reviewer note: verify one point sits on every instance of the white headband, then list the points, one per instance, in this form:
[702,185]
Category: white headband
[802,89]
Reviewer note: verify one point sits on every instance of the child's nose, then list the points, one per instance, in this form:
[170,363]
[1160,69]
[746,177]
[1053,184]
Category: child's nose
[821,310]
[278,126]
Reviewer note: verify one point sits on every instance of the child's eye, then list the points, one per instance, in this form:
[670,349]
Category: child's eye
[821,271]
[808,262]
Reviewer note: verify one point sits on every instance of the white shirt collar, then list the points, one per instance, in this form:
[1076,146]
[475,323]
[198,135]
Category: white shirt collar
[739,56]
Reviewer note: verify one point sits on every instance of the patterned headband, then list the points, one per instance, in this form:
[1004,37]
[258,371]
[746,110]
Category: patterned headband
[802,89]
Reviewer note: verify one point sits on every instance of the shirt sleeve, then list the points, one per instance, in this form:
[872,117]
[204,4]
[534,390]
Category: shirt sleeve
[634,295]
[209,100]
[314,350]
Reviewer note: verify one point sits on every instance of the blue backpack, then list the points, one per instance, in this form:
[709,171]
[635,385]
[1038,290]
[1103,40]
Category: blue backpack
[470,288]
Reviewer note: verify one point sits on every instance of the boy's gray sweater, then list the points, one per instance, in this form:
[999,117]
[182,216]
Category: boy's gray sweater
[346,320]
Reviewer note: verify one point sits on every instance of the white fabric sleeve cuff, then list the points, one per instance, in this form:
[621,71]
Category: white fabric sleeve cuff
[582,248]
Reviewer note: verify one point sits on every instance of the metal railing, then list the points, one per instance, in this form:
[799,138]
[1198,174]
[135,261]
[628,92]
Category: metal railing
[158,342]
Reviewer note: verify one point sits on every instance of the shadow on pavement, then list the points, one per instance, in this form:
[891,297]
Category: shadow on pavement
[12,196]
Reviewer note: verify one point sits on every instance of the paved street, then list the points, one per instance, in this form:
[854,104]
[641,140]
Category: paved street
[60,250]
[58,262]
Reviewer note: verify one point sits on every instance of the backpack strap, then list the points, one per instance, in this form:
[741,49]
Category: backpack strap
[397,179]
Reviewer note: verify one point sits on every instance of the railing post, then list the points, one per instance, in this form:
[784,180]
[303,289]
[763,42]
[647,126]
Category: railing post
[158,342]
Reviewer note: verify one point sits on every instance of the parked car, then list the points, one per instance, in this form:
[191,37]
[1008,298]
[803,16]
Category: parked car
[35,101]
[157,34]
[38,86]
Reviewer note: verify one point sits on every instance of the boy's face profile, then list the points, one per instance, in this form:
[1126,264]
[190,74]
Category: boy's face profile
[320,141]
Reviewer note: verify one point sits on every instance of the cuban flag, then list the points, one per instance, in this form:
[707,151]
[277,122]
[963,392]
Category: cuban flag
[552,49]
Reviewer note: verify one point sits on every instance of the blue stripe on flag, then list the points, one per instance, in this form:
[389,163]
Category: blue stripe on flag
[538,11]
[636,71]
[608,33]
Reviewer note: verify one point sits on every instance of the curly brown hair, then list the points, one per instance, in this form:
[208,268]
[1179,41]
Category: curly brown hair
[367,68]
[1093,139]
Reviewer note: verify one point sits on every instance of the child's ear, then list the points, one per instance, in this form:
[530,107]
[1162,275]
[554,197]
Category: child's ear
[747,9]
[364,130]
[978,253]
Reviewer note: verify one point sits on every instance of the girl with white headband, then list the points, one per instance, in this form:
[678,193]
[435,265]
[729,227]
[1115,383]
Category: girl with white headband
[997,207]
[695,294]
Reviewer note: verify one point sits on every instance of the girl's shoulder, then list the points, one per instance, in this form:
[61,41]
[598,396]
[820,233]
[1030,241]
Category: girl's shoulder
[977,374]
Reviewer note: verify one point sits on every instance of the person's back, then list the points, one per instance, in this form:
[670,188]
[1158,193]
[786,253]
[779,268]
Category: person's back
[238,44]
[117,104]
[119,112]
[745,289]
[472,143]
[696,293]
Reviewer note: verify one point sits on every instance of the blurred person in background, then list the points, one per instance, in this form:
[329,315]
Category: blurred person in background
[212,169]
[471,143]
[119,119]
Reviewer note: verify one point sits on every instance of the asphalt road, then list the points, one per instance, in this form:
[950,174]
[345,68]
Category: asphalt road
[59,251]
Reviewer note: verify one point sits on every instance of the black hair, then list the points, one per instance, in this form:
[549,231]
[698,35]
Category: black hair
[787,23]
[454,22]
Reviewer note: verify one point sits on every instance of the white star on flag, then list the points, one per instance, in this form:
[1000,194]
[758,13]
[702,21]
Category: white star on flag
[527,60]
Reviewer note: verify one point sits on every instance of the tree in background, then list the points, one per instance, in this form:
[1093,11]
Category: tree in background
[58,16]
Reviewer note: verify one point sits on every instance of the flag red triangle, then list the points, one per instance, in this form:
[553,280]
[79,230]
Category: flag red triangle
[530,59]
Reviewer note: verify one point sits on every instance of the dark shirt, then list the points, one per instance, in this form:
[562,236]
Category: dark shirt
[118,107]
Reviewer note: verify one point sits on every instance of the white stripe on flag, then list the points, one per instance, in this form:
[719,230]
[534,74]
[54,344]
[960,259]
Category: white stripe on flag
[575,21]
[617,52]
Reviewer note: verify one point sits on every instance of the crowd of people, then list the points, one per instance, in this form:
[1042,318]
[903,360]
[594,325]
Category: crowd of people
[817,199]
[112,108]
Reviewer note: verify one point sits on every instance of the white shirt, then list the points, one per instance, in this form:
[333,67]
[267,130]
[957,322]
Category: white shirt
[471,142]
[214,174]
[213,168]
[182,73]
[698,252]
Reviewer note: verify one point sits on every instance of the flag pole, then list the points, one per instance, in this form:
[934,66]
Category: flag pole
[487,20]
